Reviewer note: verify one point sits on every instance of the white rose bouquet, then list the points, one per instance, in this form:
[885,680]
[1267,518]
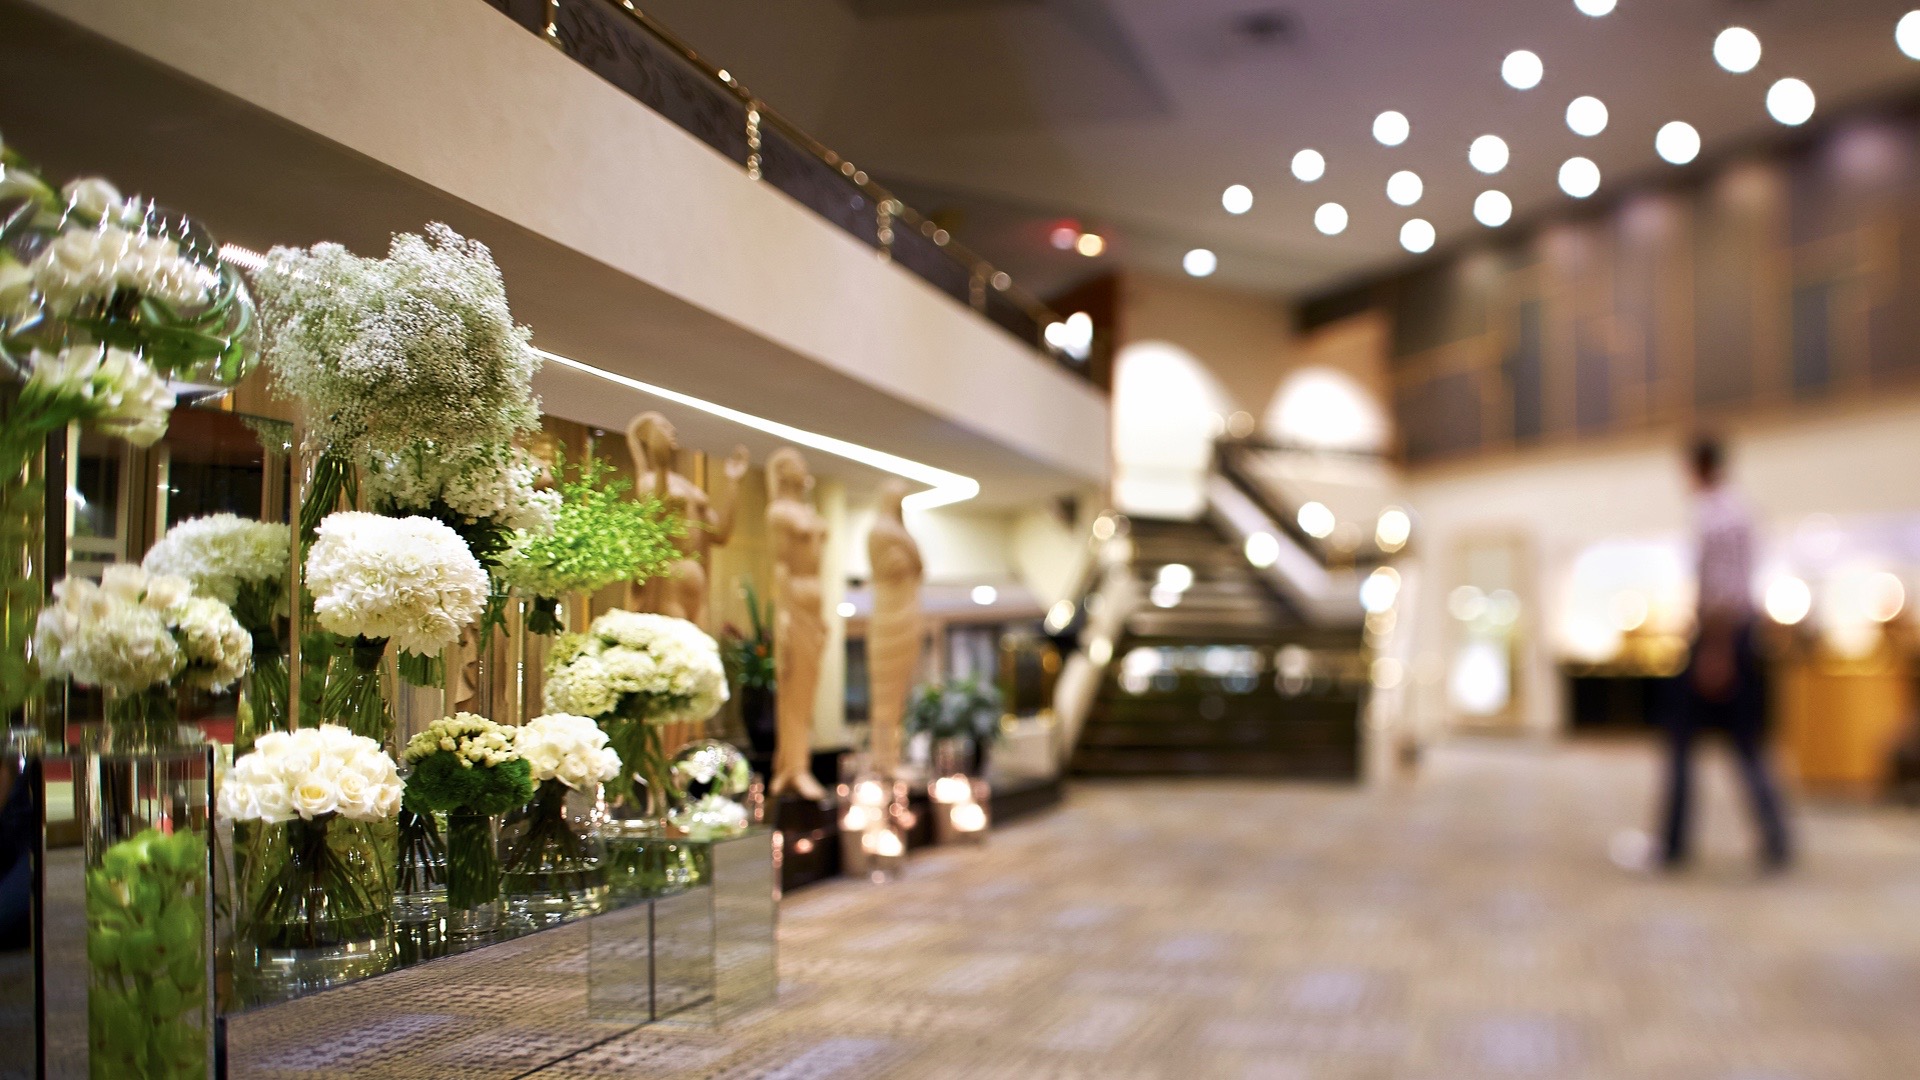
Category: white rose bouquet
[321,888]
[137,634]
[310,774]
[554,864]
[634,673]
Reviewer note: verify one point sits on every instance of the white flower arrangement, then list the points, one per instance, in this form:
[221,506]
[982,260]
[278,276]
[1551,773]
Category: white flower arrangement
[644,667]
[410,580]
[88,265]
[567,748]
[710,818]
[134,631]
[309,774]
[386,353]
[493,483]
[472,740]
[109,388]
[221,552]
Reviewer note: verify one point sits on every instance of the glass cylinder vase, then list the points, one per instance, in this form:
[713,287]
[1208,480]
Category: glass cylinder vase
[354,697]
[261,705]
[552,857]
[145,795]
[420,879]
[473,873]
[23,545]
[317,898]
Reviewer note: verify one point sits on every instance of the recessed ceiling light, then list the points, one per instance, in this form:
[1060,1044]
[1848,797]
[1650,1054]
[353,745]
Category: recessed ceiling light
[1309,166]
[1737,49]
[1200,262]
[1090,245]
[1522,69]
[847,610]
[1404,187]
[1492,209]
[1488,153]
[985,594]
[1238,199]
[1906,34]
[1579,177]
[1417,235]
[1677,143]
[1316,520]
[1330,218]
[1790,101]
[1391,128]
[1587,115]
[1595,8]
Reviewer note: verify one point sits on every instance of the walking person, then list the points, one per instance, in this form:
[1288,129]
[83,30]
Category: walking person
[1723,686]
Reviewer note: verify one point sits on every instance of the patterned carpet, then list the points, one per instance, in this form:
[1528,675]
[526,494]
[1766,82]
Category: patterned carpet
[1466,924]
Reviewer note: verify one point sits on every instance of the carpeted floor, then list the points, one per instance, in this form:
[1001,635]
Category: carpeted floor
[1466,924]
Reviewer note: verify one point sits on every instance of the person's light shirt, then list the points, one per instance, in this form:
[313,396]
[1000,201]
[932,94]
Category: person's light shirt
[1725,532]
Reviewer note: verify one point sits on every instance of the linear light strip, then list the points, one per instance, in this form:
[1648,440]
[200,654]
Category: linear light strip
[946,488]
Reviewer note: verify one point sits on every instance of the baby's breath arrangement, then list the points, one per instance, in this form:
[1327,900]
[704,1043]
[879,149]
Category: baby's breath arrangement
[386,352]
[599,537]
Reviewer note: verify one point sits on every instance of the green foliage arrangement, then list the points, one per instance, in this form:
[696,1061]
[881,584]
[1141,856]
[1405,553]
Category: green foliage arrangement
[466,764]
[146,951]
[960,709]
[749,656]
[599,537]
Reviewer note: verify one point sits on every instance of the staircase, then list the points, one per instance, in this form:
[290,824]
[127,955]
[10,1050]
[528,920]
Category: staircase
[1246,671]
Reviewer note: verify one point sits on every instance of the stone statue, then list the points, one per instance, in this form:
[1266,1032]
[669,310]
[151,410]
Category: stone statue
[893,635]
[799,622]
[682,591]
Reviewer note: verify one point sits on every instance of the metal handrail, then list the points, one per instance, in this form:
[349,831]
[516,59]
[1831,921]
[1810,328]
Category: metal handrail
[890,212]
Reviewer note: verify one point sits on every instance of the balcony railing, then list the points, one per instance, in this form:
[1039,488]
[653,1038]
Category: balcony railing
[644,59]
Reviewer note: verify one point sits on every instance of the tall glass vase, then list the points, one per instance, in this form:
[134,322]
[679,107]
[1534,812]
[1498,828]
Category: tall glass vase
[23,545]
[155,709]
[420,878]
[473,874]
[144,798]
[354,697]
[264,690]
[553,860]
[317,899]
[642,858]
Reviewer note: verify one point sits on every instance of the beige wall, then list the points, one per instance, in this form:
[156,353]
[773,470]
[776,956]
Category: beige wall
[1245,340]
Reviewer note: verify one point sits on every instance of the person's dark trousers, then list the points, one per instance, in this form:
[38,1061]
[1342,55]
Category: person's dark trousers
[1743,716]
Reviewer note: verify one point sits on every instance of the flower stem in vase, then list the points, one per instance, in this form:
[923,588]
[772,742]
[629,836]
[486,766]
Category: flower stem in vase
[264,691]
[22,549]
[552,866]
[152,708]
[647,785]
[420,886]
[353,697]
[473,873]
[317,913]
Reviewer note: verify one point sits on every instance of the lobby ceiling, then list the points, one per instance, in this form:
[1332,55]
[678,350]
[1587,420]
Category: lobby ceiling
[1008,118]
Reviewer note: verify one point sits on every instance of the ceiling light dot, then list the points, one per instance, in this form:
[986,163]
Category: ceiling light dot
[1330,218]
[985,594]
[1906,34]
[1737,49]
[1790,101]
[1587,115]
[1522,69]
[1404,187]
[1238,199]
[1200,262]
[1579,177]
[1677,143]
[1417,235]
[1492,209]
[1316,520]
[1090,245]
[1488,154]
[1391,128]
[1595,8]
[1308,166]
[847,610]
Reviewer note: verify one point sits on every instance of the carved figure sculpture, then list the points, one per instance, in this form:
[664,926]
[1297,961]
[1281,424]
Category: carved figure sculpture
[893,634]
[682,591]
[799,623]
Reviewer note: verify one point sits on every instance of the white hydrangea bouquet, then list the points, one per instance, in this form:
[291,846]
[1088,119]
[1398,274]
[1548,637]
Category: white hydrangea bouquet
[238,561]
[633,673]
[137,636]
[314,882]
[376,580]
[554,862]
